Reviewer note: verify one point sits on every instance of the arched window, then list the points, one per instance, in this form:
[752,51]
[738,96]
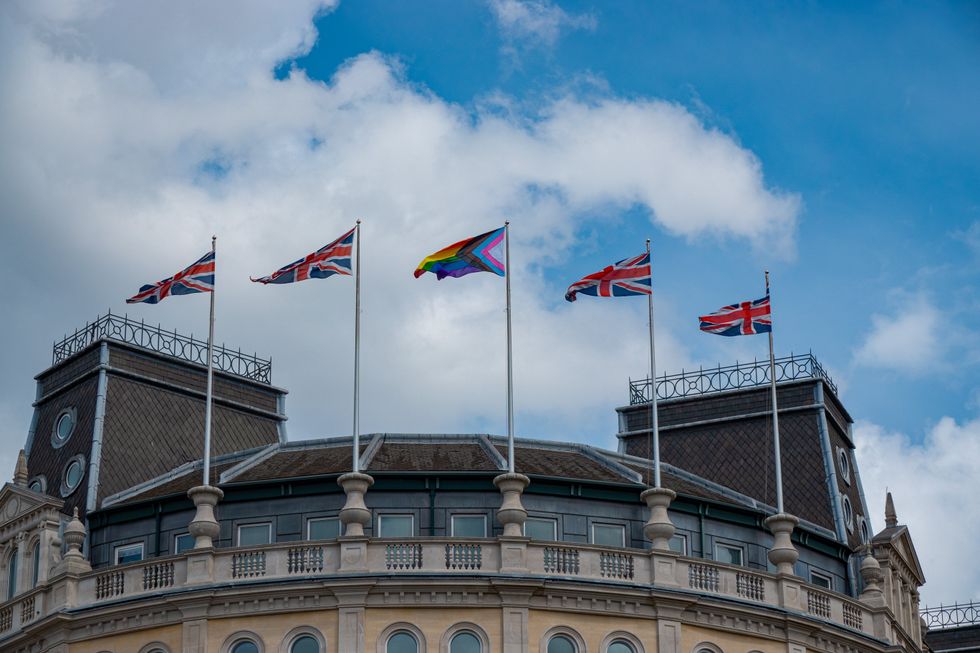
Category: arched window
[620,646]
[36,561]
[402,642]
[244,646]
[12,574]
[561,644]
[464,642]
[305,644]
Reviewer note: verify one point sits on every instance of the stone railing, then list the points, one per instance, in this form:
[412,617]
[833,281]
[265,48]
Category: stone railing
[438,556]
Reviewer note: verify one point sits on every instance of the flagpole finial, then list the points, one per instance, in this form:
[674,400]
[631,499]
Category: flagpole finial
[358,221]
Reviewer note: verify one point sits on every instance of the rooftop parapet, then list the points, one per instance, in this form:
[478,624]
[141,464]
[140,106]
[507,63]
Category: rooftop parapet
[170,343]
[752,374]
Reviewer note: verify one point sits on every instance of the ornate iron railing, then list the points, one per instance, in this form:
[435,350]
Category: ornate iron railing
[951,616]
[730,377]
[171,343]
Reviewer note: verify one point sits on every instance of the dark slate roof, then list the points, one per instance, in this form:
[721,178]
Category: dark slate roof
[299,463]
[535,461]
[422,457]
[179,485]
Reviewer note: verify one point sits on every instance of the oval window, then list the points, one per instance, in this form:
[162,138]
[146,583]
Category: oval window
[64,426]
[38,484]
[72,478]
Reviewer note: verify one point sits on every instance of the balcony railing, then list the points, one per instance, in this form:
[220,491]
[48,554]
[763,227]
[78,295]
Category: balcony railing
[692,383]
[171,343]
[952,616]
[473,558]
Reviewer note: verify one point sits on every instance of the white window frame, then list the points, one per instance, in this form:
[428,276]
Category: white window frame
[238,532]
[844,464]
[683,539]
[132,545]
[621,527]
[732,547]
[845,508]
[311,520]
[396,514]
[554,527]
[452,521]
[177,538]
[822,576]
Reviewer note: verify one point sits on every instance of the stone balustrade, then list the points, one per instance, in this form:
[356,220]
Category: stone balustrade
[479,558]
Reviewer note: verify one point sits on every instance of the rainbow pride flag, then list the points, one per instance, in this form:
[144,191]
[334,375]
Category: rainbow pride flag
[483,253]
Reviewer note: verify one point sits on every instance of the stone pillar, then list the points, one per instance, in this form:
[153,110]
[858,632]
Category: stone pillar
[871,576]
[783,554]
[74,562]
[659,529]
[204,527]
[355,515]
[512,513]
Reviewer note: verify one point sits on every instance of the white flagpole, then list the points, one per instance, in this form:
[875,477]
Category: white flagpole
[207,405]
[775,412]
[356,455]
[510,359]
[654,425]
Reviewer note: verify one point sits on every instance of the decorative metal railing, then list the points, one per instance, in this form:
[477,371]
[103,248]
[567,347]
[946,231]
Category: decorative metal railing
[730,377]
[951,616]
[171,343]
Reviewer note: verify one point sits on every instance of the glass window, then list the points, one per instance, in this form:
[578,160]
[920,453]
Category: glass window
[305,644]
[820,580]
[848,511]
[865,533]
[402,642]
[254,534]
[323,529]
[469,525]
[561,644]
[12,575]
[844,463]
[608,534]
[678,544]
[74,471]
[244,646]
[36,560]
[396,526]
[538,528]
[464,642]
[38,484]
[728,554]
[129,553]
[64,425]
[620,646]
[183,542]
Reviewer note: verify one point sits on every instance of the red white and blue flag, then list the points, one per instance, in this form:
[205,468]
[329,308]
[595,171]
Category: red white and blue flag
[329,260]
[628,277]
[197,277]
[742,319]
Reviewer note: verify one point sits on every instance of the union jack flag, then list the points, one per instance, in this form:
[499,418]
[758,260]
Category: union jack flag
[628,277]
[328,260]
[742,319]
[197,277]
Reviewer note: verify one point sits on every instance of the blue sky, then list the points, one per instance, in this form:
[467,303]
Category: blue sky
[835,144]
[867,111]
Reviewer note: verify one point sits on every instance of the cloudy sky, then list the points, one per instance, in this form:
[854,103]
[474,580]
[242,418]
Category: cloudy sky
[836,146]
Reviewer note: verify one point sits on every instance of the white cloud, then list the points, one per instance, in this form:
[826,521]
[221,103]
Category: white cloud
[907,341]
[105,169]
[536,22]
[935,484]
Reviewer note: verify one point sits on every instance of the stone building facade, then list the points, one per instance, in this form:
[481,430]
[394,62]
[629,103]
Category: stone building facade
[109,542]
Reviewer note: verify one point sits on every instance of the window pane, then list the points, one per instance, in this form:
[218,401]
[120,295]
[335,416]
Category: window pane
[183,543]
[324,529]
[620,646]
[402,642]
[73,474]
[819,579]
[36,556]
[245,646]
[254,534]
[396,526]
[131,553]
[728,554]
[678,544]
[305,644]
[469,526]
[560,644]
[12,575]
[540,529]
[464,642]
[608,534]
